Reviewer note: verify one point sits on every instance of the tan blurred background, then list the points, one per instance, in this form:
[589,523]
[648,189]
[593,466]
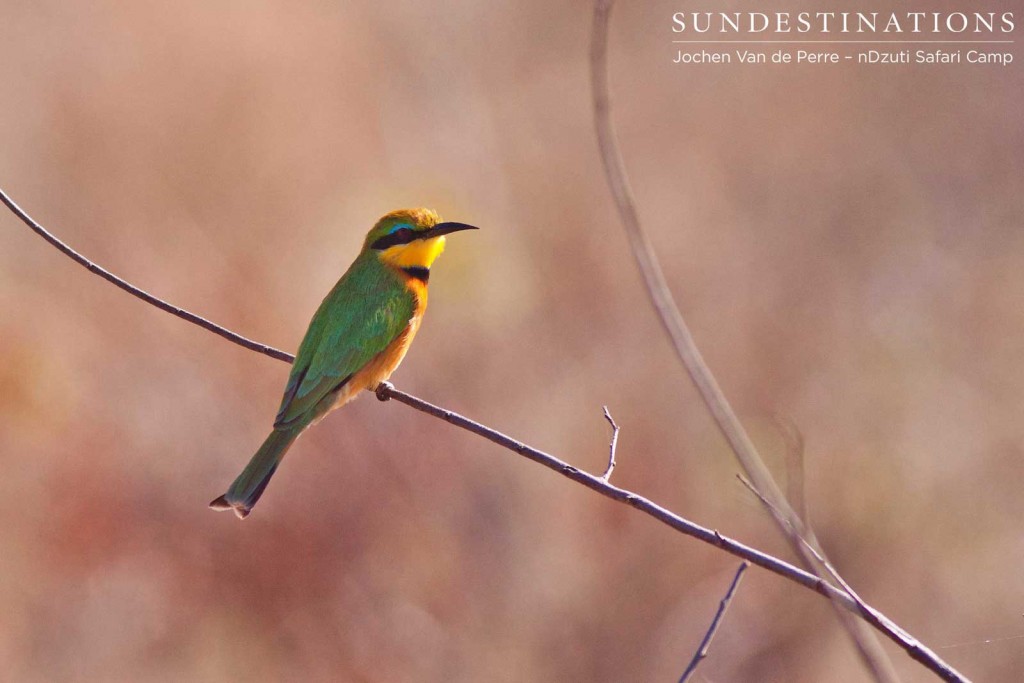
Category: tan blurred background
[846,242]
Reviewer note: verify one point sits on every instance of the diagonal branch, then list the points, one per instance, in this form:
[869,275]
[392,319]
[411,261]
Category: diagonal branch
[689,355]
[135,291]
[702,650]
[798,538]
[386,391]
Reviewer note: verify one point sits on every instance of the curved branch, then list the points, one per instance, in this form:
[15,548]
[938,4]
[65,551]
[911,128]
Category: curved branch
[135,291]
[654,278]
[387,391]
[692,360]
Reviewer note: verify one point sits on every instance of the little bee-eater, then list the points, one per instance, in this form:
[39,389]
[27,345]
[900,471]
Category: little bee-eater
[355,340]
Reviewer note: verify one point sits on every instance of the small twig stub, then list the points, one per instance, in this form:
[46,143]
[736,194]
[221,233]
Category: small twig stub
[612,445]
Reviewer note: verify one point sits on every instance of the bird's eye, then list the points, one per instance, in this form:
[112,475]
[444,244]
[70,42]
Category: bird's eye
[398,234]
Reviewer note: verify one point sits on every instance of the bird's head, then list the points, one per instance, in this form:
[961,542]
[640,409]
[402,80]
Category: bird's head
[410,238]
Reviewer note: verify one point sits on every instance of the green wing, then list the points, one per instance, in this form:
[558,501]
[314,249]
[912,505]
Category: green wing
[366,311]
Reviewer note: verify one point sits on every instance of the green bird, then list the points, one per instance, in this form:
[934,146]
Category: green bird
[356,339]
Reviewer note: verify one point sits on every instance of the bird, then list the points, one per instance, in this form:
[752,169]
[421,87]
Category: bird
[356,339]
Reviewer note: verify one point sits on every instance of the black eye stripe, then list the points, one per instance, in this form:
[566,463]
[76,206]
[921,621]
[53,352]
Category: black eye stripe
[400,236]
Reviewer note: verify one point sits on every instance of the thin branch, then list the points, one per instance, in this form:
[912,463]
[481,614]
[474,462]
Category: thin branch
[611,446]
[814,559]
[806,541]
[689,355]
[879,621]
[702,651]
[386,391]
[802,539]
[654,279]
[135,291]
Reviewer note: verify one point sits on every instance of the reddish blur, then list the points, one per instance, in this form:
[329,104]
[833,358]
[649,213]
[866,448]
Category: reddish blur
[846,242]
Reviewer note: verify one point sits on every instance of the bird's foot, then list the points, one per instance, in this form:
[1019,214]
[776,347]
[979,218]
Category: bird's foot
[383,391]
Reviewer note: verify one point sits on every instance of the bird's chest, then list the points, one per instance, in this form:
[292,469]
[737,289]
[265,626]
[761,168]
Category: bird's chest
[381,366]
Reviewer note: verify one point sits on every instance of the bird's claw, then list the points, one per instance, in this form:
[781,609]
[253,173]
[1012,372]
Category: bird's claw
[383,391]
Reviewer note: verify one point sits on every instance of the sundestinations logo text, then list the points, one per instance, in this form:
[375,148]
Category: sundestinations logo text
[844,37]
[952,23]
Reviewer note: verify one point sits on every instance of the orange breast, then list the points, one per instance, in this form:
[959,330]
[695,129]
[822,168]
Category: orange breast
[385,362]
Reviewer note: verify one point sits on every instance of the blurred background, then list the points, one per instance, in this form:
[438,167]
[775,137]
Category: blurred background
[846,242]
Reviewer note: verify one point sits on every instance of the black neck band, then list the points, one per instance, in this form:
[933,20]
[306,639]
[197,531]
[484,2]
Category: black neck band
[418,273]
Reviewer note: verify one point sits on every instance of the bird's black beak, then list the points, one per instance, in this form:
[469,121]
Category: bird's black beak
[445,228]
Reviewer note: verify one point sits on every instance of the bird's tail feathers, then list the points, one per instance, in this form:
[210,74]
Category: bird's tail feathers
[250,484]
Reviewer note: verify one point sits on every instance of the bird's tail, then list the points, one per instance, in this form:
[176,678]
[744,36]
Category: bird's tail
[248,487]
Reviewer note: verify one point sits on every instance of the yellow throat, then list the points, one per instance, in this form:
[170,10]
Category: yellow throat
[416,254]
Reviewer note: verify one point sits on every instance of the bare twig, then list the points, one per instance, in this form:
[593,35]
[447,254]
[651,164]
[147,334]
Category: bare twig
[802,541]
[793,439]
[386,391]
[806,540]
[702,651]
[135,291]
[689,355]
[654,279]
[611,446]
